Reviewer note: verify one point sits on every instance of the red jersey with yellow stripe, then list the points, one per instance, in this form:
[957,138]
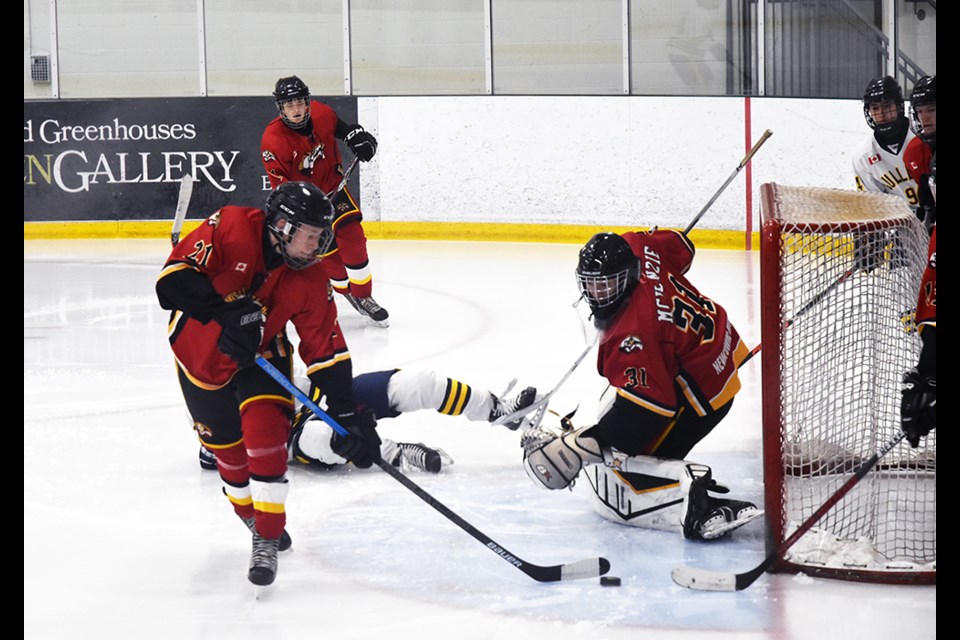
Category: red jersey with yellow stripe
[669,335]
[228,250]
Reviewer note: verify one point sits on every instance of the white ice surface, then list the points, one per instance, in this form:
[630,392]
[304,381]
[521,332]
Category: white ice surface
[125,537]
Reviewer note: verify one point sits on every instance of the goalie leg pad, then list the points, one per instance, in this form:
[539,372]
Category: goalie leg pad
[554,461]
[647,492]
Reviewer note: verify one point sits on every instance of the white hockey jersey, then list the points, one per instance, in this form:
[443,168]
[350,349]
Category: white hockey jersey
[877,169]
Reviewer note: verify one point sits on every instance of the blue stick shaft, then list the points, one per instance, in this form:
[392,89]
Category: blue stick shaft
[284,382]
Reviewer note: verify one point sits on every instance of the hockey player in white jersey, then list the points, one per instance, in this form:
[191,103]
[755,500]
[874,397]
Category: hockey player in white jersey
[878,166]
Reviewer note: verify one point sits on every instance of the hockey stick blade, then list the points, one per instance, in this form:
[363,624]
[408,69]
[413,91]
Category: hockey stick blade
[703,580]
[183,203]
[589,568]
[541,404]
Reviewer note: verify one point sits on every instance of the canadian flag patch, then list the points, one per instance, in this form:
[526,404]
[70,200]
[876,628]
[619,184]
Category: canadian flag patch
[873,160]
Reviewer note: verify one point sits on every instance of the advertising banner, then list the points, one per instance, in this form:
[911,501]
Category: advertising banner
[123,159]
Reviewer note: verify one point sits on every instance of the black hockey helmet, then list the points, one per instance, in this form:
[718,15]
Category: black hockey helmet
[292,88]
[300,204]
[924,94]
[607,273]
[883,90]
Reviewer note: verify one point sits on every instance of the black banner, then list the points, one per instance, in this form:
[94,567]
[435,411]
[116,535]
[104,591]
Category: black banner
[123,159]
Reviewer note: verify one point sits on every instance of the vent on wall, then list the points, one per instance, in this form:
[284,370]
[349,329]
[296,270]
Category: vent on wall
[40,68]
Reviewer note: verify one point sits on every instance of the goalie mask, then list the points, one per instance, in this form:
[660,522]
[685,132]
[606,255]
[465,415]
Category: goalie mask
[607,273]
[884,111]
[290,90]
[300,218]
[923,109]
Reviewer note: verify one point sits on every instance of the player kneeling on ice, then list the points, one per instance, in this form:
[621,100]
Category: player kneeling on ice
[670,355]
[390,393]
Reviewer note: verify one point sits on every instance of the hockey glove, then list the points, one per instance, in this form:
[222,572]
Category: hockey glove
[361,445]
[242,330]
[362,143]
[918,406]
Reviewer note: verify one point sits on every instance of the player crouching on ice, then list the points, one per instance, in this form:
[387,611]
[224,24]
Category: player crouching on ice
[670,355]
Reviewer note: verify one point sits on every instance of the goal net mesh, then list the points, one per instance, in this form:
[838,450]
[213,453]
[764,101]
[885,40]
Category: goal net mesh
[840,276]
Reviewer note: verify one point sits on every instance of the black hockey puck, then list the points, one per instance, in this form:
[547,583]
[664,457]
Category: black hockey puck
[610,581]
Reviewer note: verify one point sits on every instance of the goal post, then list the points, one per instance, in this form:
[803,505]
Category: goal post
[840,274]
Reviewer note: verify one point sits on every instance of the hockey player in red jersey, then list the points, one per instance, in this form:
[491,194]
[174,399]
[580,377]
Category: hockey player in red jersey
[300,144]
[923,121]
[670,356]
[918,406]
[232,285]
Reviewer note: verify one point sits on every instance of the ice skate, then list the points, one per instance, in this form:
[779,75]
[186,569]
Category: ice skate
[368,308]
[285,540]
[506,406]
[725,516]
[208,461]
[419,456]
[263,561]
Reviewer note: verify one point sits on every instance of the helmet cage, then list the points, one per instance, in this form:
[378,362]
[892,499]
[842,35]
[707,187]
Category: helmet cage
[289,90]
[286,235]
[603,291]
[300,204]
[607,272]
[883,90]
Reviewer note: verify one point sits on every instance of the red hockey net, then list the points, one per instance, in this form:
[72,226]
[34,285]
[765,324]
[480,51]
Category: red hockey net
[840,273]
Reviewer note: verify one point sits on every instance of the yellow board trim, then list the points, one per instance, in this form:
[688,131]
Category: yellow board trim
[463,231]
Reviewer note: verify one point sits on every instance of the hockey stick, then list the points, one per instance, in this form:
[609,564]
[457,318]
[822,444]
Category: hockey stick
[809,305]
[589,568]
[743,163]
[703,580]
[183,202]
[346,177]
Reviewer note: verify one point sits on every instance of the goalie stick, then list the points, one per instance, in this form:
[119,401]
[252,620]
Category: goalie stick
[703,580]
[743,163]
[183,202]
[589,568]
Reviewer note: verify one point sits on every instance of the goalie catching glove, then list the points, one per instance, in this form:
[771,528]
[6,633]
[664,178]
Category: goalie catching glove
[553,460]
[918,406]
